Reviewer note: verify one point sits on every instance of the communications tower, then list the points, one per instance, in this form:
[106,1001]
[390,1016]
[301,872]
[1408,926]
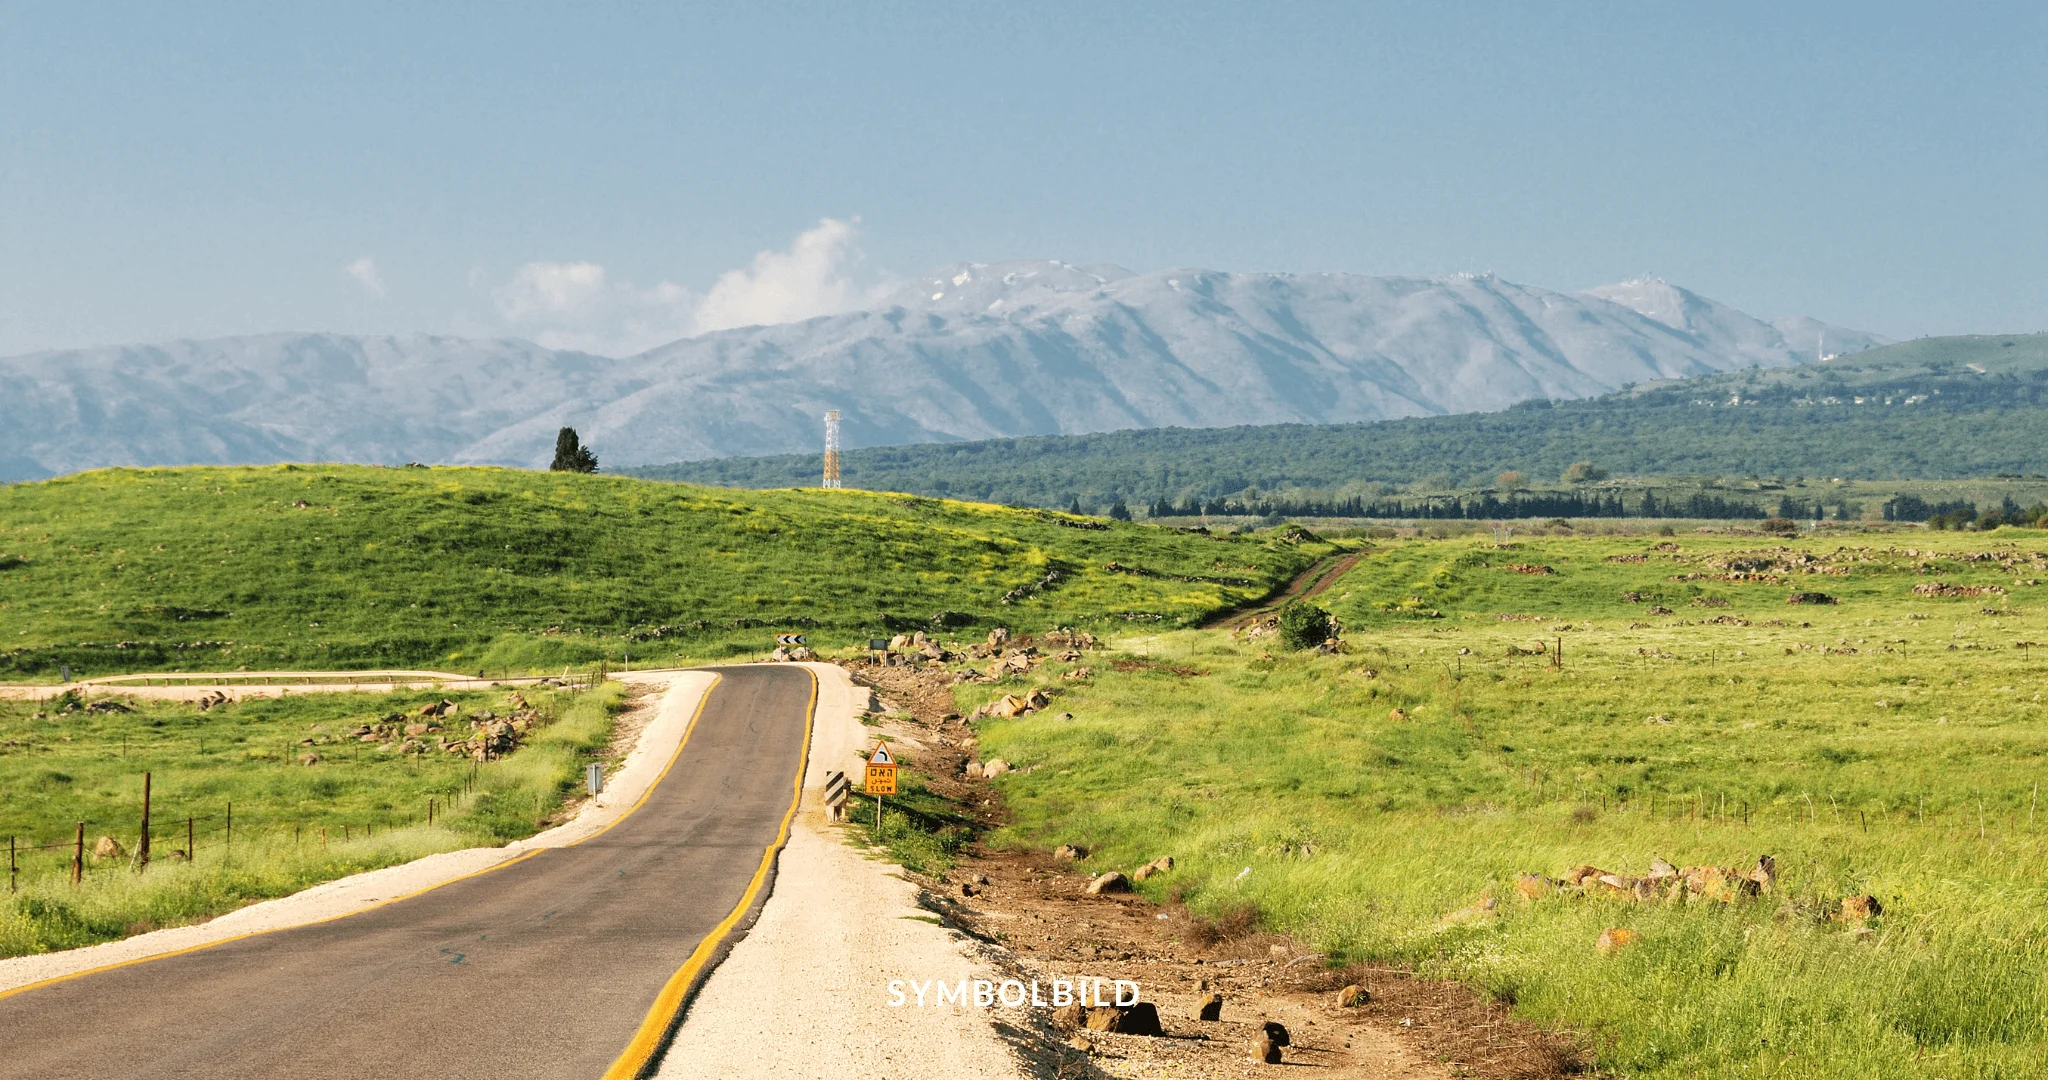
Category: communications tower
[832,449]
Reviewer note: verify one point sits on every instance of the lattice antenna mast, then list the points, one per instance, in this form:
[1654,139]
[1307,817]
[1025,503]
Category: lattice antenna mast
[832,449]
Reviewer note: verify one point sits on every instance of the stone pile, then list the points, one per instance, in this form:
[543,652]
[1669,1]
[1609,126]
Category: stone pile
[1663,882]
[1010,705]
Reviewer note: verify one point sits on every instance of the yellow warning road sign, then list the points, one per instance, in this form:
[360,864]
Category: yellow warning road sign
[881,777]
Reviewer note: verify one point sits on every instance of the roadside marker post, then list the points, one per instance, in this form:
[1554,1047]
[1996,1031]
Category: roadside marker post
[790,640]
[881,778]
[836,789]
[593,778]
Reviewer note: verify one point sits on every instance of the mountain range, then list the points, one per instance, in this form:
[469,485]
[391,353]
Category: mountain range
[977,351]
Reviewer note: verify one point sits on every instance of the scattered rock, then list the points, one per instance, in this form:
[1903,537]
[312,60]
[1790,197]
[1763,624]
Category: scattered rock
[973,770]
[1534,886]
[1070,1015]
[1265,1050]
[1353,996]
[1211,1008]
[994,767]
[1139,1019]
[1397,715]
[1858,909]
[309,759]
[106,847]
[1277,1033]
[1157,866]
[109,707]
[1070,851]
[1766,873]
[1480,909]
[1111,882]
[1614,939]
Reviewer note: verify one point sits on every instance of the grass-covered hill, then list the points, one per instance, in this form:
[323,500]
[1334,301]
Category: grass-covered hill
[356,566]
[1934,408]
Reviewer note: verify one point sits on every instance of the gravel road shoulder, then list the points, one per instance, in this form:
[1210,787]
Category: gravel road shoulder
[806,993]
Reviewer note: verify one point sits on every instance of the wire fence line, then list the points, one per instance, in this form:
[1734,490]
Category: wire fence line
[82,854]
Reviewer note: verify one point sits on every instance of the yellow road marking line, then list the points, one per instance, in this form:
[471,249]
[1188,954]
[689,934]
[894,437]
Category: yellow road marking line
[654,1028]
[673,758]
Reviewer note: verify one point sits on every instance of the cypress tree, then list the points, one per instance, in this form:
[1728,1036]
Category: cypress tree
[571,455]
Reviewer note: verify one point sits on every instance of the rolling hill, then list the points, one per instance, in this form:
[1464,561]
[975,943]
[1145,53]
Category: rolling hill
[354,567]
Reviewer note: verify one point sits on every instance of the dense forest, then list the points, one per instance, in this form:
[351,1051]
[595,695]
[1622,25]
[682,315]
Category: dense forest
[1928,409]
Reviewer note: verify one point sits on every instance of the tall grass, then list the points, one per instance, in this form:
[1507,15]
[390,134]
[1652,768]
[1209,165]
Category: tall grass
[1904,769]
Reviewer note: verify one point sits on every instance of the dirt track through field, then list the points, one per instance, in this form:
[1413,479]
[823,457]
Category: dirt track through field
[1313,581]
[544,967]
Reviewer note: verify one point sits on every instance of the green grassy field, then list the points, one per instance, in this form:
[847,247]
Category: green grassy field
[501,570]
[360,806]
[1891,743]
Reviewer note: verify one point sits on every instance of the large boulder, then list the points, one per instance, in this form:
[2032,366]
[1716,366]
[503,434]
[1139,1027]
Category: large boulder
[994,767]
[106,847]
[1211,1008]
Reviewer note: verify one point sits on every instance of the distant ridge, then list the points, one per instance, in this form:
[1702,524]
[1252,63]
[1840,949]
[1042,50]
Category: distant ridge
[1935,408]
[977,351]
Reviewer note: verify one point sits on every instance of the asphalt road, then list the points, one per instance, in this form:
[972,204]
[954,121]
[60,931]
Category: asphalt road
[543,968]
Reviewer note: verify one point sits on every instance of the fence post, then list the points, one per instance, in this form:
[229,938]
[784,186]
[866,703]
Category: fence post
[430,811]
[142,848]
[11,871]
[191,848]
[231,829]
[78,857]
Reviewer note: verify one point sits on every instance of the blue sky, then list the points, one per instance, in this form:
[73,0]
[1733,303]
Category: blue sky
[170,172]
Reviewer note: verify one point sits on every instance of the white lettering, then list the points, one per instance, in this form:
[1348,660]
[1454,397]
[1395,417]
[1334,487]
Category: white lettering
[1120,984]
[1035,999]
[955,994]
[1098,993]
[1005,994]
[896,993]
[984,993]
[1062,992]
[919,989]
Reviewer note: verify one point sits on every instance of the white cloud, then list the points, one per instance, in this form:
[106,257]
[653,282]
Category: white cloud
[577,306]
[806,281]
[364,270]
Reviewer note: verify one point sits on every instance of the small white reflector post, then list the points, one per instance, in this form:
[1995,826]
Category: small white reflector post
[593,778]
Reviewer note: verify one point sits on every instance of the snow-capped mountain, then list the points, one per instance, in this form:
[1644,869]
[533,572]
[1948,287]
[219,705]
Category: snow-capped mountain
[976,351]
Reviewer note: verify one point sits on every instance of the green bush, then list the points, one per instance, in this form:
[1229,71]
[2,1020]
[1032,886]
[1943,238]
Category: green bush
[1303,625]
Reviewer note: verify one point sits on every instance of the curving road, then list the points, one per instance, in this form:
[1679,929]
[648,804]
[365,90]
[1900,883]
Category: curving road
[553,965]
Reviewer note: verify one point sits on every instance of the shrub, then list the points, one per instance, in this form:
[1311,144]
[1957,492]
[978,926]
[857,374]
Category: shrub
[1778,526]
[1303,625]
